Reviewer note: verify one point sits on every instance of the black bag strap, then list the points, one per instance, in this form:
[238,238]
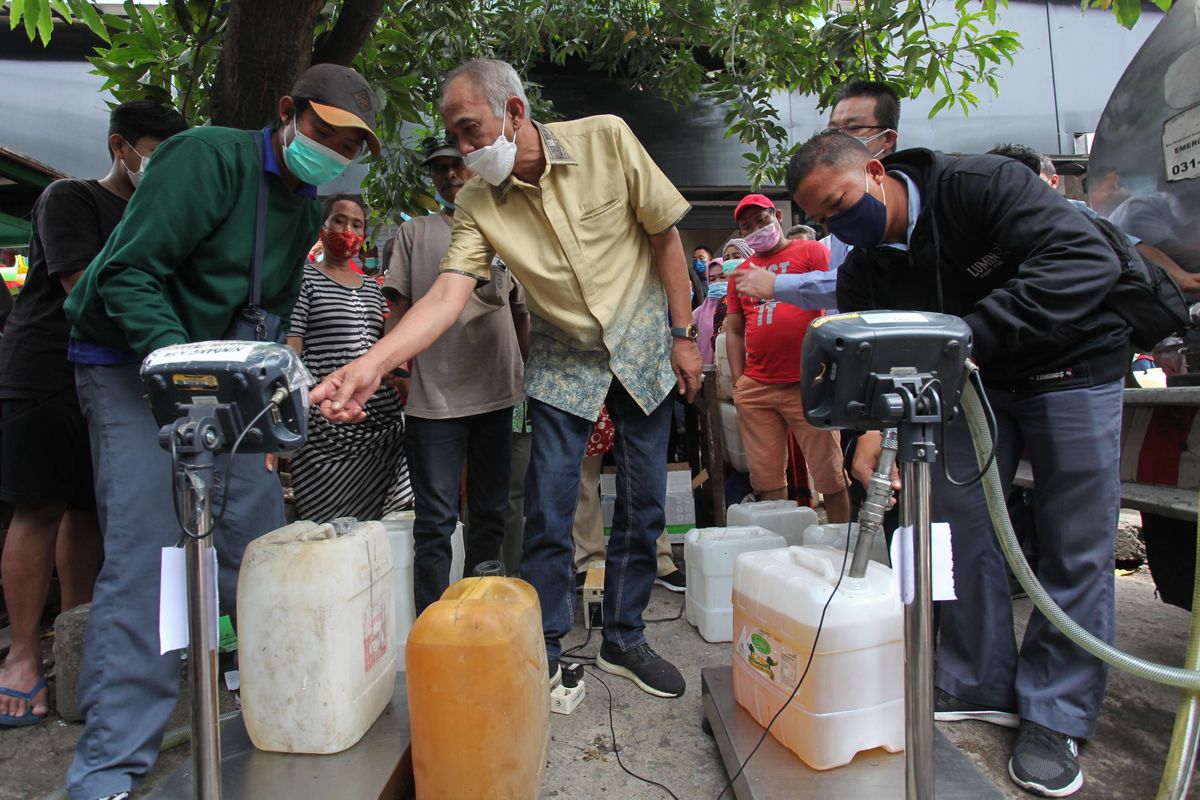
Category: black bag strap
[260,223]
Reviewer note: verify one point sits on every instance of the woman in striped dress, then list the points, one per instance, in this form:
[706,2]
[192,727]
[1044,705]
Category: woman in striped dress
[346,469]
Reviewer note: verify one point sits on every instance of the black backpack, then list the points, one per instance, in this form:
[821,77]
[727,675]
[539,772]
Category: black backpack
[1144,294]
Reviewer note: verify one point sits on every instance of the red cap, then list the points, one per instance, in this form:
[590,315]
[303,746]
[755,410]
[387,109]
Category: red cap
[753,201]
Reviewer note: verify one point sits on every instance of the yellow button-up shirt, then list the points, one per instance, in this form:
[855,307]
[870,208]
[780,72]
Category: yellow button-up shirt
[579,242]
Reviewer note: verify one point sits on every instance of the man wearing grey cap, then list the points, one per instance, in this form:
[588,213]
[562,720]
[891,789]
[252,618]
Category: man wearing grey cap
[463,390]
[177,269]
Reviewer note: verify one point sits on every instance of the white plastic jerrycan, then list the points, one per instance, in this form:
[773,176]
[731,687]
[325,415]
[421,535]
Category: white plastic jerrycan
[852,697]
[316,635]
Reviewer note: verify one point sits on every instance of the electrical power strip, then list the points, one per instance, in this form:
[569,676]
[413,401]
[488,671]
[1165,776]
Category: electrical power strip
[564,700]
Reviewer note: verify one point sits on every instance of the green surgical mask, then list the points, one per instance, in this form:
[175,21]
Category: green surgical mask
[312,162]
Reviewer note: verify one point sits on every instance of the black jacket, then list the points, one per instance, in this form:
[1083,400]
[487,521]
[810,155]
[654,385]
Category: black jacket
[1022,267]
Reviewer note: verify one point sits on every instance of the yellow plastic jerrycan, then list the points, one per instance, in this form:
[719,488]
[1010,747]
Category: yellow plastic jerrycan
[478,693]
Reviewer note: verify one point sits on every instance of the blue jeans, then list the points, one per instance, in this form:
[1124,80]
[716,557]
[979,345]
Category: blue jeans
[1073,441]
[127,690]
[437,449]
[551,494]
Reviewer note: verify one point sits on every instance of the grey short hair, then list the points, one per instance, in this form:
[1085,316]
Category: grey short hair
[498,80]
[804,231]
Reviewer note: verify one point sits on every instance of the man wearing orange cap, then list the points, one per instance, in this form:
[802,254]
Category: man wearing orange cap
[177,269]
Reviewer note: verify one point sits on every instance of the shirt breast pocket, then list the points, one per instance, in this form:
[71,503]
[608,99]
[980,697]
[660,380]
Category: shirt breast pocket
[598,210]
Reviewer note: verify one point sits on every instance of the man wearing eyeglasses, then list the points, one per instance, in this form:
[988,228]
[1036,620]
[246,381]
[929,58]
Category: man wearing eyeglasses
[870,112]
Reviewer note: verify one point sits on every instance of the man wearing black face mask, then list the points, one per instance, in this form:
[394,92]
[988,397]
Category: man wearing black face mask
[983,238]
[869,111]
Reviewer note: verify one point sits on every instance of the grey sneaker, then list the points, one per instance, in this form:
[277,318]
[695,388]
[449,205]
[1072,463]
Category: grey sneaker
[651,672]
[948,708]
[1045,762]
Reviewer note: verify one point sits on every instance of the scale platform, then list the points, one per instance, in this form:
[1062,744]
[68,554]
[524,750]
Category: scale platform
[378,766]
[776,773]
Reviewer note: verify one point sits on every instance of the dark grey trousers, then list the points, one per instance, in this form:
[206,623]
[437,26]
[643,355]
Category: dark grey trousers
[1073,441]
[127,691]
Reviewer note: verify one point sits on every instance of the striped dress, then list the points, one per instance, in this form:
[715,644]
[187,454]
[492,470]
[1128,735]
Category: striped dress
[347,469]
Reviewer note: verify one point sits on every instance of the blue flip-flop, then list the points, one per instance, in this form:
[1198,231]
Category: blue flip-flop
[9,721]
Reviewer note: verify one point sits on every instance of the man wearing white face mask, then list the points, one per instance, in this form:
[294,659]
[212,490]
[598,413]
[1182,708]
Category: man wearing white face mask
[763,340]
[586,221]
[870,112]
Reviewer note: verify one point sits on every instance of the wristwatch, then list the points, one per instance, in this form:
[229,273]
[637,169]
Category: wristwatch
[690,332]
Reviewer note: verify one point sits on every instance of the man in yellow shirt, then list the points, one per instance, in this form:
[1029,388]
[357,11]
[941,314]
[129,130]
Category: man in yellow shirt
[586,222]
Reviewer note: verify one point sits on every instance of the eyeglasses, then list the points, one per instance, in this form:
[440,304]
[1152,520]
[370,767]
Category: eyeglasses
[855,130]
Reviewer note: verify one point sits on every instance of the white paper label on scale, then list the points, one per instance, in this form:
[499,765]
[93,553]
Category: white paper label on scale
[173,599]
[941,563]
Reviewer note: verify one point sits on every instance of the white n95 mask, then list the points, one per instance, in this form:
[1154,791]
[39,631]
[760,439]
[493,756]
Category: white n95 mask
[494,163]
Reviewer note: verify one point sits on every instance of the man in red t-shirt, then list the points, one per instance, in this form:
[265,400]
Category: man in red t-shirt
[763,339]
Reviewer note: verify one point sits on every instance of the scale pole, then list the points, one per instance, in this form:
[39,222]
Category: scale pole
[918,635]
[202,626]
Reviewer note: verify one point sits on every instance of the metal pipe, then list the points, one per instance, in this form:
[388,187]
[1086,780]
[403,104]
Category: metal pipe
[202,628]
[870,515]
[918,636]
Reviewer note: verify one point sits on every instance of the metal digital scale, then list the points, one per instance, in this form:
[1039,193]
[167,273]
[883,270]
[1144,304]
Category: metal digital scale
[872,371]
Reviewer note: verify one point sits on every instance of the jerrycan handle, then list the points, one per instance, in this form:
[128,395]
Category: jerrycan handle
[813,563]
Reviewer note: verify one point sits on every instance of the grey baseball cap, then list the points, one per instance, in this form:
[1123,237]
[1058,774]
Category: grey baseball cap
[341,97]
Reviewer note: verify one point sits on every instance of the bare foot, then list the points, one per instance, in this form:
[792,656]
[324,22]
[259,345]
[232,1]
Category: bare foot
[22,676]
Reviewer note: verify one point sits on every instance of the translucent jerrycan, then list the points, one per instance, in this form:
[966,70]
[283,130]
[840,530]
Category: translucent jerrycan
[852,698]
[780,516]
[316,636]
[479,693]
[399,527]
[709,555]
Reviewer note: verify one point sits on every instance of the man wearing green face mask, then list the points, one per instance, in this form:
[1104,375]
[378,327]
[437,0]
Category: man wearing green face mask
[177,269]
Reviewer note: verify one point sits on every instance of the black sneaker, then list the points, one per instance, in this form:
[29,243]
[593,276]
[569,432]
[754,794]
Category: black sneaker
[673,581]
[555,674]
[948,708]
[580,579]
[651,672]
[1045,762]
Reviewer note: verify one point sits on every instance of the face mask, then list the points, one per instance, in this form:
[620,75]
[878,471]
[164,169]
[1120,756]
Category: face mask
[700,265]
[311,162]
[764,240]
[862,224]
[865,141]
[446,204]
[717,290]
[731,264]
[370,265]
[135,177]
[341,245]
[494,163]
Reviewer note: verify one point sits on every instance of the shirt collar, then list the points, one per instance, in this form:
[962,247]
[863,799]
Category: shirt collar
[271,165]
[914,208]
[556,155]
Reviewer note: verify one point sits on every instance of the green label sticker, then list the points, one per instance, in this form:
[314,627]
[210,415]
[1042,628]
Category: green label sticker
[760,644]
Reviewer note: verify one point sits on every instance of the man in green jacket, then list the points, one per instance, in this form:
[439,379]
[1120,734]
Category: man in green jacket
[177,269]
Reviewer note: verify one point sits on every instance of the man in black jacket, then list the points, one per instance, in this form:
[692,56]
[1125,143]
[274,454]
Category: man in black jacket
[983,238]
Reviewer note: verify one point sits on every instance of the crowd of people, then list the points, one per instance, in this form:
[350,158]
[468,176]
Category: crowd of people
[545,319]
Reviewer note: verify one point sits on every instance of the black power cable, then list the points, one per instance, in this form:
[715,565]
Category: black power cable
[613,730]
[811,653]
[228,474]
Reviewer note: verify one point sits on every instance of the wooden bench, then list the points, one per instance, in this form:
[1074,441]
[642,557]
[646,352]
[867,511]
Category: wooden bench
[1160,452]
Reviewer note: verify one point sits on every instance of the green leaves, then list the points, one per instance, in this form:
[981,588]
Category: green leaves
[1127,12]
[742,55]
